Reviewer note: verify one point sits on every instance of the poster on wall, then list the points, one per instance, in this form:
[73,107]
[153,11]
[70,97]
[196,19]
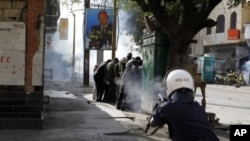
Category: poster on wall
[63,29]
[98,29]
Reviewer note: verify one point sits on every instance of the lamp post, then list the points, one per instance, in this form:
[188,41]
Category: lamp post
[73,77]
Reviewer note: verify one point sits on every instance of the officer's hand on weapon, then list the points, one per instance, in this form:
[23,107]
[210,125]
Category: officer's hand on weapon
[151,122]
[160,100]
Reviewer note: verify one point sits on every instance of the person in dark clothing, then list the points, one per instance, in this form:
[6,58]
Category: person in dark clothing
[124,66]
[99,80]
[110,95]
[186,119]
[126,85]
[120,67]
[133,86]
[94,92]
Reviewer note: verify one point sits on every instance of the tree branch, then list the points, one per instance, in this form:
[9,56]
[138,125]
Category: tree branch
[207,23]
[143,5]
[162,16]
[203,15]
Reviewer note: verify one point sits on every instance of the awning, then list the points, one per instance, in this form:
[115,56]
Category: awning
[224,54]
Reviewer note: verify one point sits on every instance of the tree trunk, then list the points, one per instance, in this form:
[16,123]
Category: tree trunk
[178,52]
[181,28]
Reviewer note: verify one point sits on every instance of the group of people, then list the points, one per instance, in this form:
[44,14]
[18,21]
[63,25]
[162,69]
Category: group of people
[186,118]
[118,82]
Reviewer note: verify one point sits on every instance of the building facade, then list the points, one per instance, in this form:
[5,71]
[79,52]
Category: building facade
[21,67]
[225,41]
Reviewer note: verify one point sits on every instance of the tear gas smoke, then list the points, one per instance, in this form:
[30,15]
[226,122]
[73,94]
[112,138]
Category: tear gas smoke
[59,53]
[246,72]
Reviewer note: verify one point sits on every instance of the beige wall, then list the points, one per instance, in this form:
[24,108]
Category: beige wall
[215,39]
[221,38]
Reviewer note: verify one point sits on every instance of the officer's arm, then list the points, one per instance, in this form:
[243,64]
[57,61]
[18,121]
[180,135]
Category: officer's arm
[157,116]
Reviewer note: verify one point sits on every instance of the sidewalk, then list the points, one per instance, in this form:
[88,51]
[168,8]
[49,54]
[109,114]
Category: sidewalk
[74,116]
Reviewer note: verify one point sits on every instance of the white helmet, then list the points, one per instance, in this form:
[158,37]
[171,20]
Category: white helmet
[177,79]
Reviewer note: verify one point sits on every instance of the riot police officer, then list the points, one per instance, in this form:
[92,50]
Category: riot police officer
[186,119]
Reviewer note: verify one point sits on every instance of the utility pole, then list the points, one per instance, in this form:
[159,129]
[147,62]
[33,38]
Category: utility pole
[114,31]
[86,53]
[73,77]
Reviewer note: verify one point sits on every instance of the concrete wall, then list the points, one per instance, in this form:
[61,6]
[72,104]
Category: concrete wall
[221,38]
[30,12]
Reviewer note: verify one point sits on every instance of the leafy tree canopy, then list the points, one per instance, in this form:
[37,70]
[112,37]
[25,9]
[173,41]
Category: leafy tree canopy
[133,22]
[182,20]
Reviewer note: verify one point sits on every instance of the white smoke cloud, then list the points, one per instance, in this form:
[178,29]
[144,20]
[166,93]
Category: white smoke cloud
[59,53]
[246,72]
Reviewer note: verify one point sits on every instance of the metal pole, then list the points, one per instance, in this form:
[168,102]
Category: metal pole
[86,53]
[114,31]
[73,56]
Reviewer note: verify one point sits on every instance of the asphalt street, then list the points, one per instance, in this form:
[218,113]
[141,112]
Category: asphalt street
[71,114]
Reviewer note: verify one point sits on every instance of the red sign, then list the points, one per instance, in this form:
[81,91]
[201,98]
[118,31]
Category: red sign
[233,34]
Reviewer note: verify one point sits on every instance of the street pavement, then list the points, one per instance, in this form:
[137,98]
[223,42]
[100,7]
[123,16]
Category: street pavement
[71,115]
[230,103]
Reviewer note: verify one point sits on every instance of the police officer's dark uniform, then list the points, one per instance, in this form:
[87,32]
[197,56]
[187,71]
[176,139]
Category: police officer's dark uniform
[186,119]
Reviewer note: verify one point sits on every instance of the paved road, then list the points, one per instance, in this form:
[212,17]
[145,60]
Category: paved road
[230,104]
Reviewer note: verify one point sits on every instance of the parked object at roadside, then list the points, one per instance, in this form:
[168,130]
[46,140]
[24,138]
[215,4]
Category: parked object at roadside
[230,79]
[219,78]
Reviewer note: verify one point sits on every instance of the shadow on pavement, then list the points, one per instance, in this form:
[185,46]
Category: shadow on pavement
[70,114]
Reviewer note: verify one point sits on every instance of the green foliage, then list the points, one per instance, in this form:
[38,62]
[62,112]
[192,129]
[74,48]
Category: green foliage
[234,3]
[69,3]
[134,21]
[175,10]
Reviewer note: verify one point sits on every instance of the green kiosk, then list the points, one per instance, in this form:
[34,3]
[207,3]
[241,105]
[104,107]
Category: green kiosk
[154,53]
[206,68]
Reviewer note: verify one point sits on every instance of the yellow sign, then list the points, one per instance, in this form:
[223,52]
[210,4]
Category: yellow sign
[63,29]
